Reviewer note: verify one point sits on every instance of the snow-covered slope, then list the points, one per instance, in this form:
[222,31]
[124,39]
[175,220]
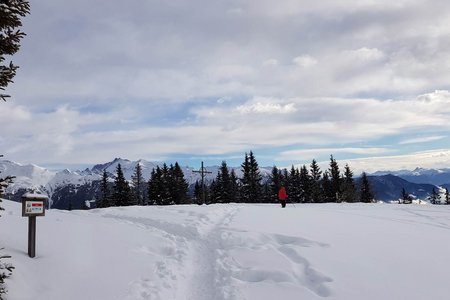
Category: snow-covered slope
[27,176]
[263,252]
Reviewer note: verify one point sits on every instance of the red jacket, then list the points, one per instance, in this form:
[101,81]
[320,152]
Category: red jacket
[282,193]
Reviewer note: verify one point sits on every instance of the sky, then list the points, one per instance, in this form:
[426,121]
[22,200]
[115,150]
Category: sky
[205,80]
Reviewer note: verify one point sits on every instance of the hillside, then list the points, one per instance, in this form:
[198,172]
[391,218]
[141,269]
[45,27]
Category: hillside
[389,187]
[335,251]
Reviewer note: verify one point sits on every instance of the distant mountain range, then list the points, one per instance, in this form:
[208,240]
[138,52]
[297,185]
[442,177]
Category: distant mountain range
[420,175]
[76,187]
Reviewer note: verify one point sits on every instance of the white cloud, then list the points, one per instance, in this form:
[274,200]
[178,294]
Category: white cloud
[305,61]
[422,140]
[290,73]
[364,54]
[309,154]
[266,108]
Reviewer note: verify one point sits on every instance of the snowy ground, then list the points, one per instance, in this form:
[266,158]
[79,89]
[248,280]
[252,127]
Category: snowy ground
[334,251]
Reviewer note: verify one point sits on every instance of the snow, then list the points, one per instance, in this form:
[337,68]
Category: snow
[35,196]
[231,251]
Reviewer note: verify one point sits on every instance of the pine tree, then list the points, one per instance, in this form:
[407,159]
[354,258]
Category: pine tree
[103,198]
[435,197]
[348,186]
[275,184]
[294,188]
[11,13]
[121,191]
[366,195]
[5,268]
[328,194]
[212,193]
[5,272]
[315,175]
[335,180]
[305,185]
[138,182]
[447,198]
[406,197]
[153,187]
[234,187]
[198,193]
[179,186]
[165,190]
[222,192]
[251,181]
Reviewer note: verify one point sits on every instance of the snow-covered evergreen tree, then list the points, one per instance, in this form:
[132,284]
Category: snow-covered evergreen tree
[435,197]
[405,197]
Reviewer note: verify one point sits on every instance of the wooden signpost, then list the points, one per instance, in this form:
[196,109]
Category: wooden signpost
[33,205]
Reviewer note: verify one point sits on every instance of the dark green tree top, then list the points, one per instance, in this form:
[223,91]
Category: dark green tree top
[366,194]
[11,12]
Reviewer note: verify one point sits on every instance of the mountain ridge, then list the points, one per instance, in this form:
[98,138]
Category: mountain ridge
[67,186]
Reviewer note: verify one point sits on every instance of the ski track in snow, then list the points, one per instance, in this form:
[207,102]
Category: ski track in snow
[206,253]
[194,242]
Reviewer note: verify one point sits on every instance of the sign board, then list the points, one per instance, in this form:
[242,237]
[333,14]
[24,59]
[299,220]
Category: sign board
[33,206]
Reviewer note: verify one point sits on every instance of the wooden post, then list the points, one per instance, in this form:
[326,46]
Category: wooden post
[32,236]
[33,205]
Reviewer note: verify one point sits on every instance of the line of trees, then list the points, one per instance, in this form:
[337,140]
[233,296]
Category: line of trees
[303,185]
[167,186]
[436,197]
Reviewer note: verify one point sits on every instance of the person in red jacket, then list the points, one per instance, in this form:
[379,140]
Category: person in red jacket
[282,196]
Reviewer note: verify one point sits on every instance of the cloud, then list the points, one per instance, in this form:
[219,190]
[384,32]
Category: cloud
[270,62]
[309,154]
[266,107]
[305,61]
[172,76]
[422,140]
